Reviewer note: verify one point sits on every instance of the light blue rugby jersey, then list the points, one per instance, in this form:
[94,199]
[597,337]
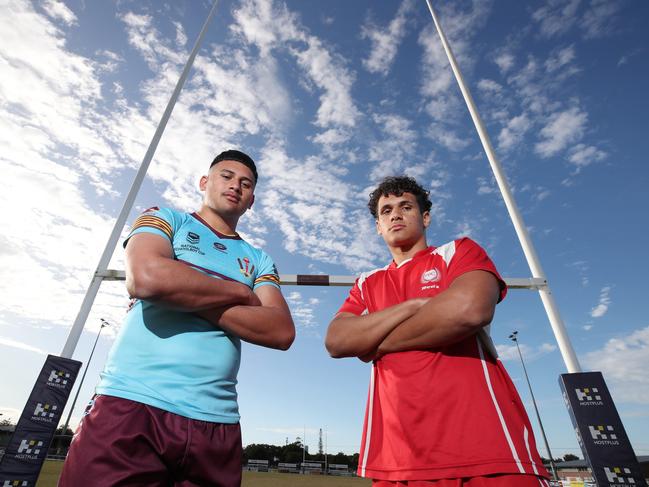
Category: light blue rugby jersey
[175,360]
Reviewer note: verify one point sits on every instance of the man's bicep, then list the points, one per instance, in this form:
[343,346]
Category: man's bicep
[144,246]
[271,296]
[344,314]
[480,285]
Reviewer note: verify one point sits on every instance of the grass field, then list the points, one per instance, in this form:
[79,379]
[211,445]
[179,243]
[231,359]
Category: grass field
[52,469]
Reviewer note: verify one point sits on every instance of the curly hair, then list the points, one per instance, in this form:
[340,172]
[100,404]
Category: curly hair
[397,185]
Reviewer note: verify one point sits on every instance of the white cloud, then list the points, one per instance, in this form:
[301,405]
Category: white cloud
[508,352]
[385,42]
[488,87]
[303,311]
[441,101]
[505,61]
[604,302]
[330,75]
[556,17]
[560,58]
[583,155]
[486,186]
[599,18]
[181,37]
[272,26]
[396,146]
[328,226]
[512,134]
[58,11]
[562,129]
[624,361]
[55,145]
[8,342]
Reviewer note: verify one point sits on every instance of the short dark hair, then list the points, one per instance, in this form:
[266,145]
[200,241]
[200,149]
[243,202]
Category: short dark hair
[397,185]
[235,155]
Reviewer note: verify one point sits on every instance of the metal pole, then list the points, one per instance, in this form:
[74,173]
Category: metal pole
[304,450]
[514,338]
[326,469]
[91,293]
[559,329]
[76,396]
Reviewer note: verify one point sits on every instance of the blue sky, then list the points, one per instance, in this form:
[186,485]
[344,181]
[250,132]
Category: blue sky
[330,97]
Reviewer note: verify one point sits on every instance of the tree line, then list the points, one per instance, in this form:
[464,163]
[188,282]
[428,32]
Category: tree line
[292,453]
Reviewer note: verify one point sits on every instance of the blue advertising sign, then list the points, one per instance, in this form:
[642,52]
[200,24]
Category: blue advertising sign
[26,451]
[600,432]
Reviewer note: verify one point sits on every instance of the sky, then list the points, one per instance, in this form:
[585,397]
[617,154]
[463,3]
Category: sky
[329,98]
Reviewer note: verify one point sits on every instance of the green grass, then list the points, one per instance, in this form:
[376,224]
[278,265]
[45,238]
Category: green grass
[52,469]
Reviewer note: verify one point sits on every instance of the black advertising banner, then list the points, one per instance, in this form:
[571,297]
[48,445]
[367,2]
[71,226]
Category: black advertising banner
[28,446]
[600,432]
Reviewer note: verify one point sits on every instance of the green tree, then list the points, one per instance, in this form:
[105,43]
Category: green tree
[292,453]
[569,456]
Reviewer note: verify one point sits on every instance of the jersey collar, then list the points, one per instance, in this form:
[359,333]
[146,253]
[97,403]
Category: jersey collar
[427,250]
[214,230]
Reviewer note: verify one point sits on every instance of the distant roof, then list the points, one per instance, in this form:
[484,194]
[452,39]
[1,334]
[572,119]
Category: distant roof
[583,464]
[7,427]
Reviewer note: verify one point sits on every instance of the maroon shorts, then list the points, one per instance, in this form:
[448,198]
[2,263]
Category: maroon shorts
[485,481]
[127,443]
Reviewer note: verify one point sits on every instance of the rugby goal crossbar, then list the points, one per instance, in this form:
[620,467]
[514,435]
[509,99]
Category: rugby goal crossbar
[533,283]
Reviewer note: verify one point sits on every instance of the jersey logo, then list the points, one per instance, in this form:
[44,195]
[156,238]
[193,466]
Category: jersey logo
[245,268]
[221,248]
[431,275]
[193,238]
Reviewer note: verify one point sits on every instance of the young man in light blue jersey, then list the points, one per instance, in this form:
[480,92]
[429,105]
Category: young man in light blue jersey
[166,408]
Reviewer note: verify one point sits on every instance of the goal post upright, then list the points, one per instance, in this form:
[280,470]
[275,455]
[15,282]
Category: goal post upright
[551,309]
[102,267]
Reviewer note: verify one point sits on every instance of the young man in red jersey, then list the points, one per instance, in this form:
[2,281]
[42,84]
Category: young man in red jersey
[441,410]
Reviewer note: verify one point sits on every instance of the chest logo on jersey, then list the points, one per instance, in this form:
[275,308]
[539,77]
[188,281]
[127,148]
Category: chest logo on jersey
[220,247]
[193,238]
[431,275]
[245,267]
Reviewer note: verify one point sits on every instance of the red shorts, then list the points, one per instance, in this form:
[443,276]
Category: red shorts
[507,480]
[121,442]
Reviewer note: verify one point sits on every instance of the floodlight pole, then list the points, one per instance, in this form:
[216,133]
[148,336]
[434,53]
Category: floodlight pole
[76,396]
[559,329]
[514,337]
[93,288]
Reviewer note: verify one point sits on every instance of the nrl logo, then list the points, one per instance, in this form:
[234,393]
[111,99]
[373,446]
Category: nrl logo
[431,275]
[245,267]
[193,238]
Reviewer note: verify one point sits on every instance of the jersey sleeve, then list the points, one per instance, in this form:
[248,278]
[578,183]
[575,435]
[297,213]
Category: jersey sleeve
[159,221]
[267,272]
[469,256]
[354,303]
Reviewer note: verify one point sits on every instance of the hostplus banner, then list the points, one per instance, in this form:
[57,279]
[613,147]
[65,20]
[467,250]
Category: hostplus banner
[28,446]
[602,438]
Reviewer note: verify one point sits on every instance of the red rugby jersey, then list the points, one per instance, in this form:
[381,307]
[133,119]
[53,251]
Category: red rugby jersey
[446,412]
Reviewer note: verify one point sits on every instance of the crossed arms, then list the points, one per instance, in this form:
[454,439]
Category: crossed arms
[417,324]
[261,317]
